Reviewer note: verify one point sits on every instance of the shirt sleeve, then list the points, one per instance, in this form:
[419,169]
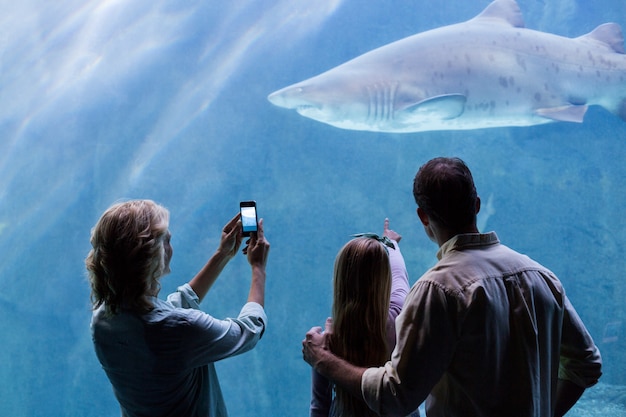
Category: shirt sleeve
[399,281]
[580,360]
[184,297]
[206,339]
[426,337]
[399,290]
[321,395]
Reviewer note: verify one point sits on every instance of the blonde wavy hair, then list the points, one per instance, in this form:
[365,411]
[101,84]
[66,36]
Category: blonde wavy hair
[362,287]
[128,256]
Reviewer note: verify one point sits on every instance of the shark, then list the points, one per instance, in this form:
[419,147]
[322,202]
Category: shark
[489,71]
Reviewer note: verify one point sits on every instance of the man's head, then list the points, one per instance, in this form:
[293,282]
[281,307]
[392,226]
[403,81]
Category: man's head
[131,251]
[444,192]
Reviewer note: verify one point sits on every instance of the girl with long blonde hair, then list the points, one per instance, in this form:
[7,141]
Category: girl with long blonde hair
[369,286]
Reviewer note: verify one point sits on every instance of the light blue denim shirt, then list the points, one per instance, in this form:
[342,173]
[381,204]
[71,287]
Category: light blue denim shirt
[487,331]
[161,363]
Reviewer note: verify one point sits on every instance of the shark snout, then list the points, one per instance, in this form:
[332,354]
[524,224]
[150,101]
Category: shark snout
[277,99]
[292,97]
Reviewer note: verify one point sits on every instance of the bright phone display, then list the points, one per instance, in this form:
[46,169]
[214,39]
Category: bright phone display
[248,217]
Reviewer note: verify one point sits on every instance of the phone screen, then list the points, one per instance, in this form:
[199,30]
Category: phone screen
[248,217]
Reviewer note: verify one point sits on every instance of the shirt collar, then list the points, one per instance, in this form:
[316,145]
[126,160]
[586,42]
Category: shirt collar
[467,240]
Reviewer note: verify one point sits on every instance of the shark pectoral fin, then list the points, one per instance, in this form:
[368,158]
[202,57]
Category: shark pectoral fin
[444,107]
[572,113]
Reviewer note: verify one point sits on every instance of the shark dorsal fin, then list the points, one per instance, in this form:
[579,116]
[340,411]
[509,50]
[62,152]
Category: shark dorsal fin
[503,10]
[609,34]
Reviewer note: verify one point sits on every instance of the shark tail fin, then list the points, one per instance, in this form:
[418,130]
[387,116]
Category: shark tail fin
[609,34]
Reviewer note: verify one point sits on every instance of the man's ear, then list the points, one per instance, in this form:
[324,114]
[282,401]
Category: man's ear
[423,216]
[477,204]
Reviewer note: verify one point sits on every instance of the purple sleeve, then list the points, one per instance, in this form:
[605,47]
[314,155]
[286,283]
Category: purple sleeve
[321,395]
[399,290]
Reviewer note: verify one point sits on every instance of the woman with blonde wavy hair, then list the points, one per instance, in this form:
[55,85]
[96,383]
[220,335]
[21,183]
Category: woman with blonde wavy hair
[159,354]
[369,286]
[131,251]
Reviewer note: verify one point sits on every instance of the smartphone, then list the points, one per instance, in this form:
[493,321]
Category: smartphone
[248,217]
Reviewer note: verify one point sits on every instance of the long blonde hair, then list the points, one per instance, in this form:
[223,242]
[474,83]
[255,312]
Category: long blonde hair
[362,286]
[128,256]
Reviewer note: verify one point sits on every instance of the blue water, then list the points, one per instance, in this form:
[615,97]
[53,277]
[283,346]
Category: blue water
[107,100]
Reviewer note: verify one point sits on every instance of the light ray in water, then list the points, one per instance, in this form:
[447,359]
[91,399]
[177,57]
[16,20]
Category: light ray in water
[63,61]
[220,59]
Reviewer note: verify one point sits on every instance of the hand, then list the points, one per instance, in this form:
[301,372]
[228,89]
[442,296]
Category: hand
[390,233]
[229,245]
[257,247]
[231,237]
[316,343]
